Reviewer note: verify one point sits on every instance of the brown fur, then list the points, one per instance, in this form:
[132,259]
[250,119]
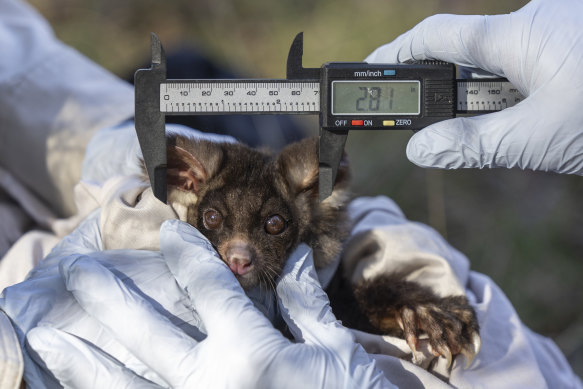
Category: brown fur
[246,187]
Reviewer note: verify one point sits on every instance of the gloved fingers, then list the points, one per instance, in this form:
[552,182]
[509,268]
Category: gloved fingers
[465,40]
[299,366]
[77,364]
[336,360]
[213,289]
[131,320]
[509,138]
[305,306]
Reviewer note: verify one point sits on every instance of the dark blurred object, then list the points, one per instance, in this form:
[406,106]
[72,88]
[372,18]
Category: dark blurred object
[15,222]
[274,131]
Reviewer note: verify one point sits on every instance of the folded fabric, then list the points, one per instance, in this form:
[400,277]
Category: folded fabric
[11,364]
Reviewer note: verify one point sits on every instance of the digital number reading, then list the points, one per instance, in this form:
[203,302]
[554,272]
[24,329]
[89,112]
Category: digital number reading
[375,97]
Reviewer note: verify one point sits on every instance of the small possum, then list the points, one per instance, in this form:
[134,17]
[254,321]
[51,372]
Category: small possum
[256,208]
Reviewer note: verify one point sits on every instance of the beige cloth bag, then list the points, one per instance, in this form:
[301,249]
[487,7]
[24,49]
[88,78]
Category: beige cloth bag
[11,364]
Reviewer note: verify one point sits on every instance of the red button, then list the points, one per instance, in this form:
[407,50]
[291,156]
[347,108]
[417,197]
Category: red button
[357,122]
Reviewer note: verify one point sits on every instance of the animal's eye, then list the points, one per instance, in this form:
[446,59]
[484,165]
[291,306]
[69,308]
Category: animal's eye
[275,225]
[212,219]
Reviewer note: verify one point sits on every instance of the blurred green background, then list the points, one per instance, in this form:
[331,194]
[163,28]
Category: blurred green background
[523,229]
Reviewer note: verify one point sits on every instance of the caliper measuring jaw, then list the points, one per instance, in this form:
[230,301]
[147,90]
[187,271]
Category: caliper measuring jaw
[150,120]
[331,143]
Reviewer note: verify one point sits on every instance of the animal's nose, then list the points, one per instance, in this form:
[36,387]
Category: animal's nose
[239,258]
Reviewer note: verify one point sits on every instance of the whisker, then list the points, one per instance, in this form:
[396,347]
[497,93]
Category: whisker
[269,274]
[266,280]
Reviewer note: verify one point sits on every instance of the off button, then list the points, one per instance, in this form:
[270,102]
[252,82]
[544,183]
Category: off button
[357,122]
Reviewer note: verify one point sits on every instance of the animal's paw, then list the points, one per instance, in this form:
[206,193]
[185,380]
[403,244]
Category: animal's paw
[449,323]
[394,306]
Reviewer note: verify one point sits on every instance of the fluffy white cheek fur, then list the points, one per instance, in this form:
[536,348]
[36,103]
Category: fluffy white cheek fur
[178,200]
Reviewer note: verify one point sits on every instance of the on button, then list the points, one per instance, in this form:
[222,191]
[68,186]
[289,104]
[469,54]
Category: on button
[357,122]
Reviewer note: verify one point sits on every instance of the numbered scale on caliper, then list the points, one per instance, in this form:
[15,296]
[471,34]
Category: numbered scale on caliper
[346,96]
[486,96]
[246,96]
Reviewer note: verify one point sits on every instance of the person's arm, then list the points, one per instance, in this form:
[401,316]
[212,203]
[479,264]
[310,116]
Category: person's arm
[52,101]
[539,49]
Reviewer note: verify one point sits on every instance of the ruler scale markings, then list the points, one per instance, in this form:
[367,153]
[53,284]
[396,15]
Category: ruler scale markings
[486,96]
[272,96]
[227,96]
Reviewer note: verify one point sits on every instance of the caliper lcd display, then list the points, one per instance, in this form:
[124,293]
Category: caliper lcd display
[394,97]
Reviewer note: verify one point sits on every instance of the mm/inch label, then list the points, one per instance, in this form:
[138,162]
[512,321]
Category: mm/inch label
[486,96]
[239,96]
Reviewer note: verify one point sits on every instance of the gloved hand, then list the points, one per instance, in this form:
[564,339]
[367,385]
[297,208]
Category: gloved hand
[539,49]
[242,348]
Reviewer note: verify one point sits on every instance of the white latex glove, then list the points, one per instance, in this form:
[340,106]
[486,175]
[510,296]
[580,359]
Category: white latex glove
[539,49]
[242,348]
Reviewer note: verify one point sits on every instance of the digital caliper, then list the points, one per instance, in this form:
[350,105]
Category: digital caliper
[346,96]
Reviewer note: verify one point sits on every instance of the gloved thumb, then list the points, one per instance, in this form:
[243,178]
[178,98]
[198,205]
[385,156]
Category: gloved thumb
[300,295]
[304,304]
[465,40]
[306,309]
[514,137]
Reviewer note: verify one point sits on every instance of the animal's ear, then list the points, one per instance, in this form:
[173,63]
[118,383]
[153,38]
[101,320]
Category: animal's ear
[191,162]
[298,164]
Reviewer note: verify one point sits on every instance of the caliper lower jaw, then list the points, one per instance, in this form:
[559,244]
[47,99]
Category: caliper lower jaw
[331,149]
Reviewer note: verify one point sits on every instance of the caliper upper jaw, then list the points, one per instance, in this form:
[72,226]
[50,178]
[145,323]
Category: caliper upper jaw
[295,68]
[331,143]
[150,122]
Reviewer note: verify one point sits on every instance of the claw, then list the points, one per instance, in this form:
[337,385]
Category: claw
[445,352]
[448,356]
[412,346]
[411,340]
[469,355]
[400,322]
[414,359]
[477,342]
[434,352]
